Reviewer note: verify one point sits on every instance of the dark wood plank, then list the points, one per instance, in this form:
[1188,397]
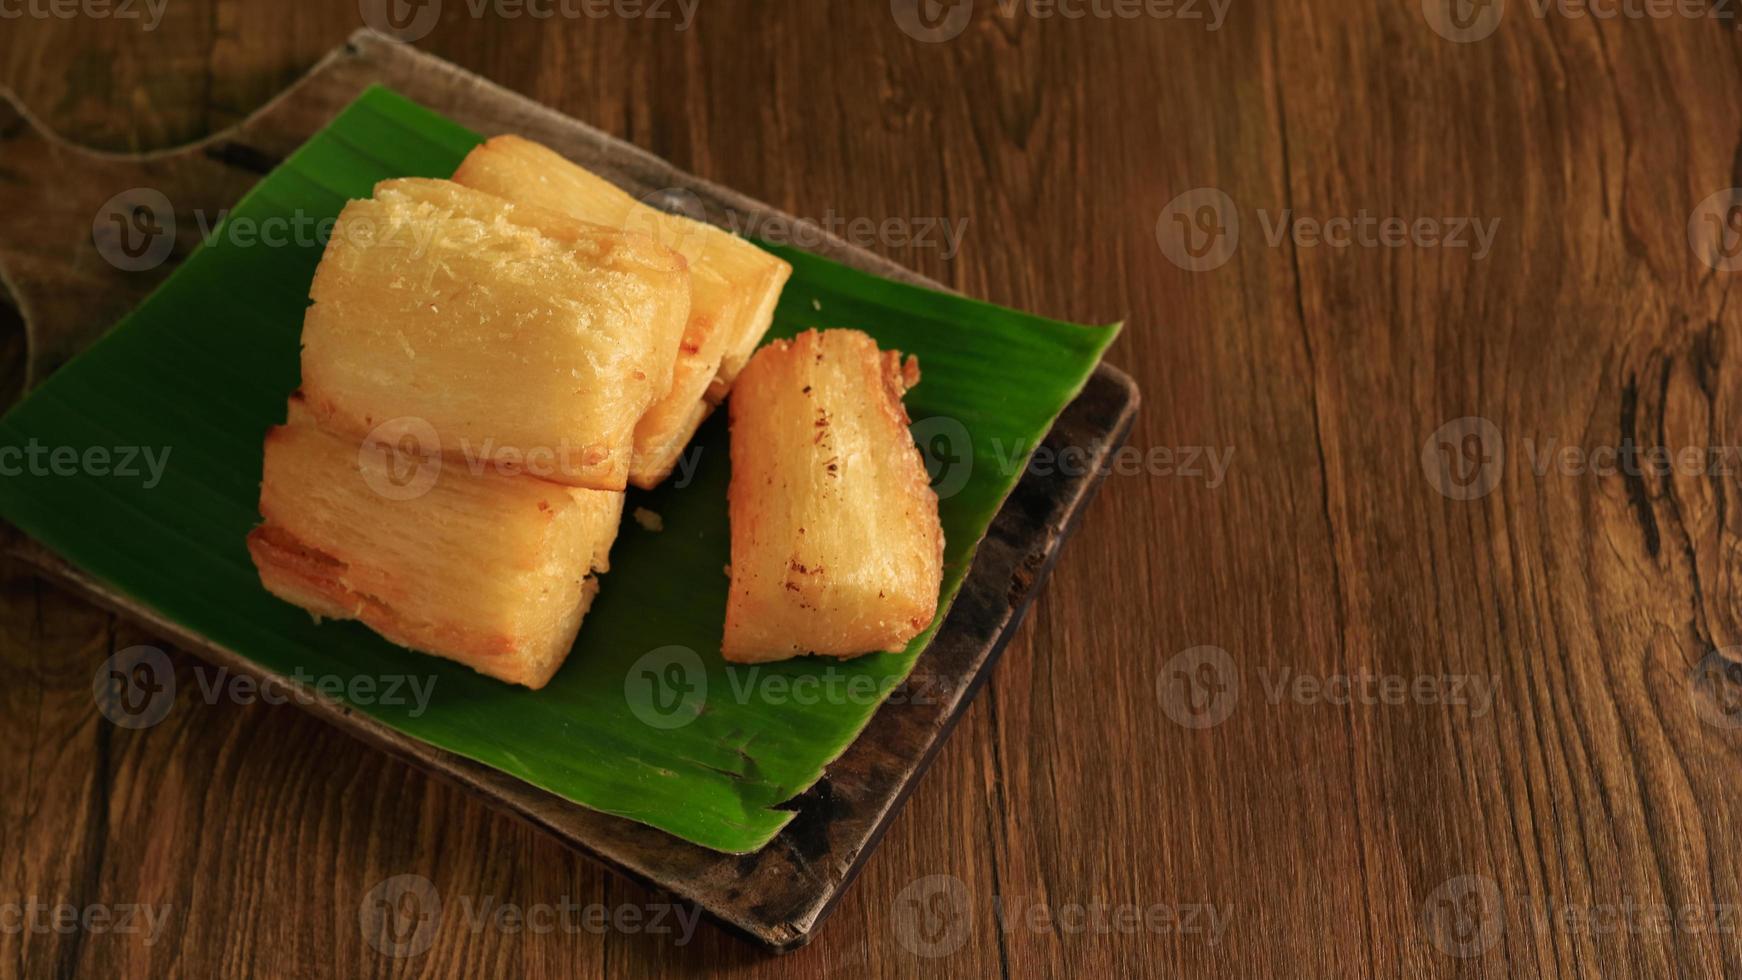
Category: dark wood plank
[1595,601]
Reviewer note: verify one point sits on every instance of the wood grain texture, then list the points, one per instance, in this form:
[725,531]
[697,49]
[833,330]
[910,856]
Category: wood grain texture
[1547,835]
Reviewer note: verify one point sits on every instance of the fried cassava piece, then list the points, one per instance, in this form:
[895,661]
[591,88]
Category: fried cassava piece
[735,284]
[520,336]
[493,571]
[836,544]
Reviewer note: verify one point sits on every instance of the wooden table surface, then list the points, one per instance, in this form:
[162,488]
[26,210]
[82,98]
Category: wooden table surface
[1404,642]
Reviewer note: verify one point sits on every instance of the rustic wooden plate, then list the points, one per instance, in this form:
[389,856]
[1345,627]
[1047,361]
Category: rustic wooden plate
[68,295]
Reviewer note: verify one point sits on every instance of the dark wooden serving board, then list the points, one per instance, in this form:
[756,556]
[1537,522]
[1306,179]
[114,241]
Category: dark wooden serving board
[69,295]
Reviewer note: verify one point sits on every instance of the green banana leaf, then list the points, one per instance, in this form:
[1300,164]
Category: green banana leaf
[645,720]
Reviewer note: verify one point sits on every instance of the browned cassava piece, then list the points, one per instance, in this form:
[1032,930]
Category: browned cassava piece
[836,544]
[520,335]
[493,571]
[735,285]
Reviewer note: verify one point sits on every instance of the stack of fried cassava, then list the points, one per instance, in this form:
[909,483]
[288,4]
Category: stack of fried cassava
[490,361]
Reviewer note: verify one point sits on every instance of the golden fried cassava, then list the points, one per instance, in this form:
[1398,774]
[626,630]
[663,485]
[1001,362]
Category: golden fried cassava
[836,544]
[736,285]
[521,336]
[492,571]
